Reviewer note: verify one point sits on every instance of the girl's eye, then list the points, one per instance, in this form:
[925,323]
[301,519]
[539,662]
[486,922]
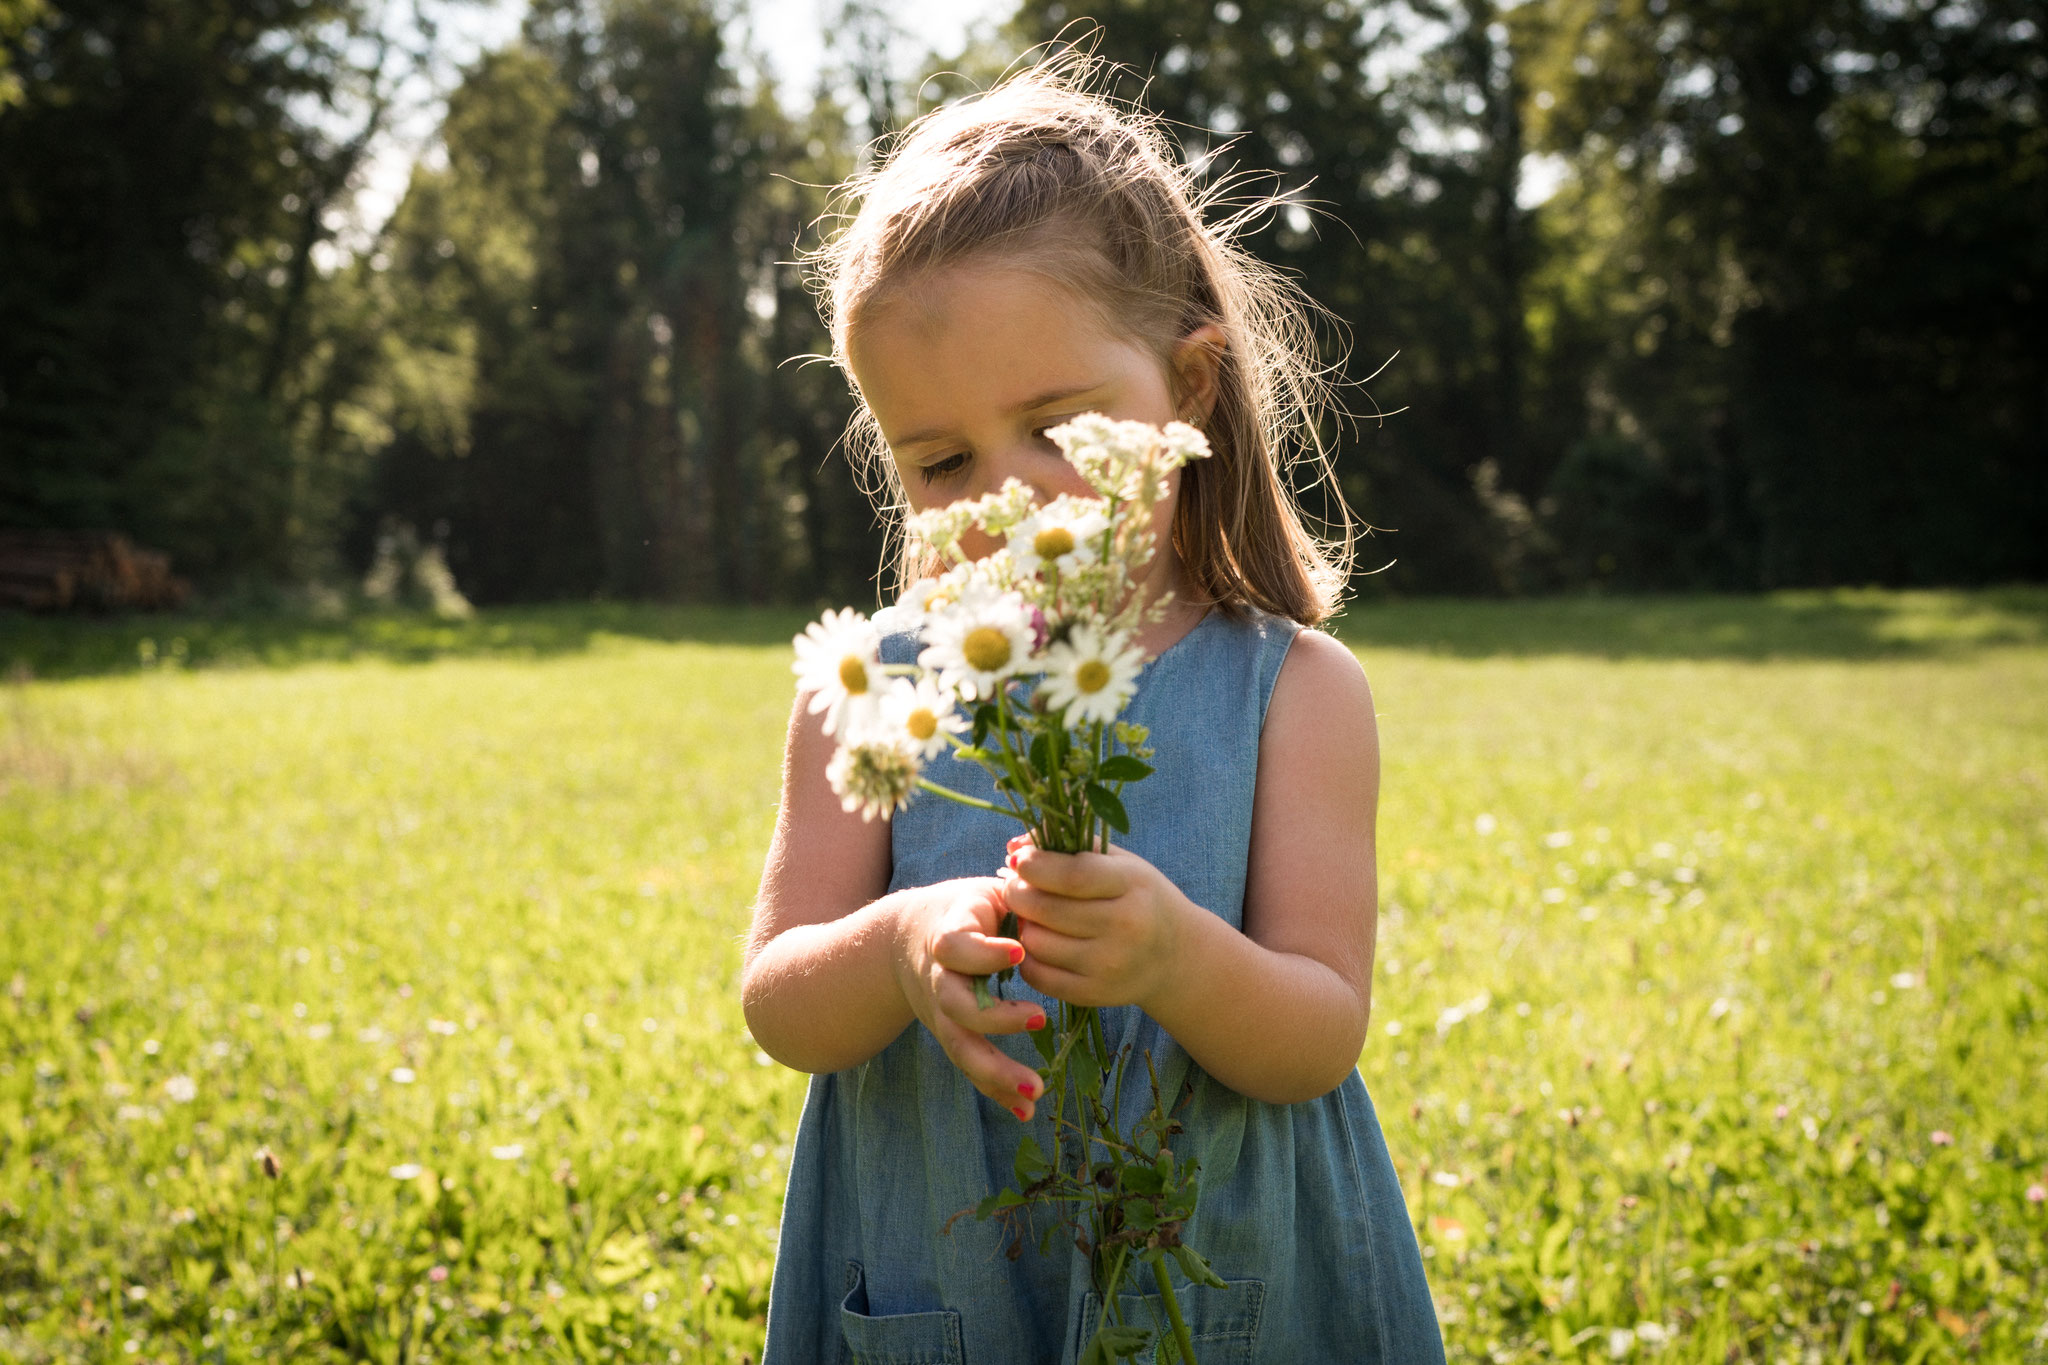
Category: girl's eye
[942,469]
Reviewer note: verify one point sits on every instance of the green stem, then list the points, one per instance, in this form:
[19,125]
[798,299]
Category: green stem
[1112,1310]
[1166,1294]
[973,801]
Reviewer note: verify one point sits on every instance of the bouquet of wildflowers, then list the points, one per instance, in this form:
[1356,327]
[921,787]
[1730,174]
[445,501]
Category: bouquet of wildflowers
[1029,658]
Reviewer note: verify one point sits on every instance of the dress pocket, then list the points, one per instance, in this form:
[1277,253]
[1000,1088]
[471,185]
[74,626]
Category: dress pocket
[894,1338]
[1224,1323]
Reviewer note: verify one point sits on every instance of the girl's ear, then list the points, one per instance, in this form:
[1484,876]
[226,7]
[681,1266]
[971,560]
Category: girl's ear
[1196,359]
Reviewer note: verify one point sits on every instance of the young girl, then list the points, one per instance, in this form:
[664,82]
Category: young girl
[1021,259]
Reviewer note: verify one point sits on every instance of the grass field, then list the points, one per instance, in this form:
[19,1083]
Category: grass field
[1710,1021]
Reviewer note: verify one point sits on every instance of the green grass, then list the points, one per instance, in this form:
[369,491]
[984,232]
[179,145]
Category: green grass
[1653,871]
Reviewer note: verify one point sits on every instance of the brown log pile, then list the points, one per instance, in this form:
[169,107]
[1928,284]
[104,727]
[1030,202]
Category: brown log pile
[85,571]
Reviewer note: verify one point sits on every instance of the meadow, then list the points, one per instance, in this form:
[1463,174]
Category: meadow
[368,987]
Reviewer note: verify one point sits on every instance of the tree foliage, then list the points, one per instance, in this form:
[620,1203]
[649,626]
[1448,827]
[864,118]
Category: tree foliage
[1778,324]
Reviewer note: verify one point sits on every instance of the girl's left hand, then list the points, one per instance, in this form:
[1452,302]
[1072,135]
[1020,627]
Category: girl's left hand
[1098,929]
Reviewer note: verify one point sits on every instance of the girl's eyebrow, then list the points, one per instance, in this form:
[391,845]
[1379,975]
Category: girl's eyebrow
[1043,400]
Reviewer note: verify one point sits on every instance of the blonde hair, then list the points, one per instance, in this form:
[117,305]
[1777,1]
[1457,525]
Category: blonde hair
[1055,177]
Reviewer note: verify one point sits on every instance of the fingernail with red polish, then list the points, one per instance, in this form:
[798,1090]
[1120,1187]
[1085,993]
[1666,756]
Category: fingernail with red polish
[1016,953]
[1021,1112]
[1035,1023]
[1028,1089]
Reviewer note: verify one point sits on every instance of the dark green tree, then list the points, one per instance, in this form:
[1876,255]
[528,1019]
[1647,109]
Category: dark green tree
[170,171]
[1819,236]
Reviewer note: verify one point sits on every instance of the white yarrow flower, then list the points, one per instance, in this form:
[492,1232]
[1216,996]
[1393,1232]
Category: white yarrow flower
[1115,457]
[1091,674]
[979,640]
[875,777]
[920,716]
[839,658]
[1065,533]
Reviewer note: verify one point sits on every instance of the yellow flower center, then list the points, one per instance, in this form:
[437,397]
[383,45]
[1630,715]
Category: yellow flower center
[853,674]
[921,723]
[1092,676]
[1053,542]
[986,649]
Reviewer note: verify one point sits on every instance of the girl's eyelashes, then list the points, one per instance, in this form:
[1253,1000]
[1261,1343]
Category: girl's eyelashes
[942,469]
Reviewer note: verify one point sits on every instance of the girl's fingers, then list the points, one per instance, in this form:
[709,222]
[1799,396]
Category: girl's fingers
[1061,984]
[957,1002]
[972,953]
[1079,918]
[991,1071]
[1083,876]
[1048,947]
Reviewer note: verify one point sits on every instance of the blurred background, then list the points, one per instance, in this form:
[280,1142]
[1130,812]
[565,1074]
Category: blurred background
[1653,294]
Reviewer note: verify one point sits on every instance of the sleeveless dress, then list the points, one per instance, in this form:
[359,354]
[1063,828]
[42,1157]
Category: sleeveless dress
[1300,1212]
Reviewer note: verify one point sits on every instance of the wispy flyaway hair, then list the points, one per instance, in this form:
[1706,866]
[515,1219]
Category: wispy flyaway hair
[1045,173]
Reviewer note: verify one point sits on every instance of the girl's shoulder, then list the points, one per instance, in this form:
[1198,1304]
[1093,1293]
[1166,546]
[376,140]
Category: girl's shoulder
[1320,699]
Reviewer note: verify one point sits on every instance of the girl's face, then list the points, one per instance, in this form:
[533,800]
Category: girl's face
[965,372]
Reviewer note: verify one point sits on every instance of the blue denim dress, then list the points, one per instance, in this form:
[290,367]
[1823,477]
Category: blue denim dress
[1300,1211]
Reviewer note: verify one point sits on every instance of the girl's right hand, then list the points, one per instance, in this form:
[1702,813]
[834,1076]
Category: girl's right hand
[946,936]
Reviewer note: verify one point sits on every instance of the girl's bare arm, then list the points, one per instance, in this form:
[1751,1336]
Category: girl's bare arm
[835,969]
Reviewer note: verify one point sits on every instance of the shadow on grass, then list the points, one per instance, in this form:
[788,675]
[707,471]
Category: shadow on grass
[77,646]
[1842,624]
[1845,624]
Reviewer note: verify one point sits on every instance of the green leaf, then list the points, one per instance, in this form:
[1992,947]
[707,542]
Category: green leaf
[997,1202]
[1123,768]
[1195,1268]
[974,754]
[1117,1341]
[1030,1163]
[1143,1180]
[1041,756]
[1105,804]
[984,721]
[983,996]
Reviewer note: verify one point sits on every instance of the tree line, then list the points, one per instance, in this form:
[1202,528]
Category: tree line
[1780,322]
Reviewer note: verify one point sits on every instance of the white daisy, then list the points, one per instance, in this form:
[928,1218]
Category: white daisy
[919,715]
[907,613]
[838,658]
[1091,674]
[1065,533]
[978,640]
[874,777]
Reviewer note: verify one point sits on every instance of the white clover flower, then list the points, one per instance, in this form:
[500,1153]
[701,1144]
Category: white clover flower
[1091,674]
[839,657]
[979,640]
[919,715]
[874,777]
[1065,533]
